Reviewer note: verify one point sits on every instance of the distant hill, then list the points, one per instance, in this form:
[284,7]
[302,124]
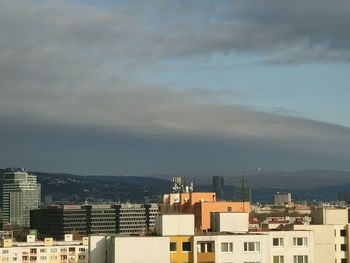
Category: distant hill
[72,188]
[304,179]
[305,184]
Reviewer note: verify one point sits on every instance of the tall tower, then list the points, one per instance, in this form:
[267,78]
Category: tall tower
[20,195]
[218,187]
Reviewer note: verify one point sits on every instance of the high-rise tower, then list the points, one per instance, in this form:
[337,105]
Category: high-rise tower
[20,195]
[218,187]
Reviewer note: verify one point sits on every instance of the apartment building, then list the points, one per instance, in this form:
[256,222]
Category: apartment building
[182,245]
[331,234]
[49,251]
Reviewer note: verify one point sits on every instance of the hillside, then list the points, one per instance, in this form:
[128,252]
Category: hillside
[306,184]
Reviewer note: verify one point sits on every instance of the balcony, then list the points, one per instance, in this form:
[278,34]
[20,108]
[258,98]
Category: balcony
[206,257]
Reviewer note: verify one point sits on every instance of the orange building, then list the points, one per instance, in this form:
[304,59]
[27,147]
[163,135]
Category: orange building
[201,204]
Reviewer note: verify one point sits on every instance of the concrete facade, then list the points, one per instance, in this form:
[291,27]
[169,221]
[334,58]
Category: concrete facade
[331,242]
[230,222]
[44,251]
[329,215]
[129,249]
[175,225]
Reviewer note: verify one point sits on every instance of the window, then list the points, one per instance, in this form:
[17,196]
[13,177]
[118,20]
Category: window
[252,246]
[277,242]
[300,259]
[42,250]
[81,256]
[300,241]
[43,258]
[343,260]
[186,246]
[172,246]
[5,259]
[205,247]
[53,257]
[53,250]
[82,249]
[5,251]
[278,259]
[343,247]
[343,232]
[226,247]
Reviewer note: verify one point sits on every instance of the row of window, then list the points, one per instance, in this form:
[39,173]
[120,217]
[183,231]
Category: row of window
[52,250]
[204,247]
[297,241]
[33,258]
[296,259]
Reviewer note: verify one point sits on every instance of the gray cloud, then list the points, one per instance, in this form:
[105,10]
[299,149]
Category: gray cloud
[72,84]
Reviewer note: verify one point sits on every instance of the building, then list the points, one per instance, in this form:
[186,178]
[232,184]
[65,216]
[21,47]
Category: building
[84,220]
[329,216]
[129,249]
[283,198]
[218,187]
[178,246]
[331,234]
[135,218]
[201,204]
[21,193]
[33,251]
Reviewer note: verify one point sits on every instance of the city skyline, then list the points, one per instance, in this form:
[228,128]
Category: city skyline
[113,87]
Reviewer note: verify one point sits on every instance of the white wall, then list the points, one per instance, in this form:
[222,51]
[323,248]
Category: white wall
[267,251]
[141,250]
[230,222]
[288,250]
[98,248]
[175,225]
[238,255]
[327,241]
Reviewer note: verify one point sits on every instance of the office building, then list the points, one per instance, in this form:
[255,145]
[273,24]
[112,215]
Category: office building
[93,219]
[283,198]
[218,187]
[135,218]
[21,193]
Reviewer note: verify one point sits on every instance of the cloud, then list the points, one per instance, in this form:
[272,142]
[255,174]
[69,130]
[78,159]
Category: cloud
[74,73]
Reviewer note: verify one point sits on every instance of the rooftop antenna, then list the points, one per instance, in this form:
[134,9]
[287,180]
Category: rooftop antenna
[243,192]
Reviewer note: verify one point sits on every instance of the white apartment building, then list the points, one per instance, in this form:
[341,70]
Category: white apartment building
[331,234]
[219,247]
[47,251]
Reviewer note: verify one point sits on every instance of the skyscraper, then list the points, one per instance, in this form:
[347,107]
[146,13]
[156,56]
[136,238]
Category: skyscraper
[20,195]
[218,187]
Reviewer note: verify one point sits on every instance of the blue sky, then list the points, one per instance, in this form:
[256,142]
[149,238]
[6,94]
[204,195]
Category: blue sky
[143,87]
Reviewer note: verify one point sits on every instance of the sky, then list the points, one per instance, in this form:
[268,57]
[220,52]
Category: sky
[174,87]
